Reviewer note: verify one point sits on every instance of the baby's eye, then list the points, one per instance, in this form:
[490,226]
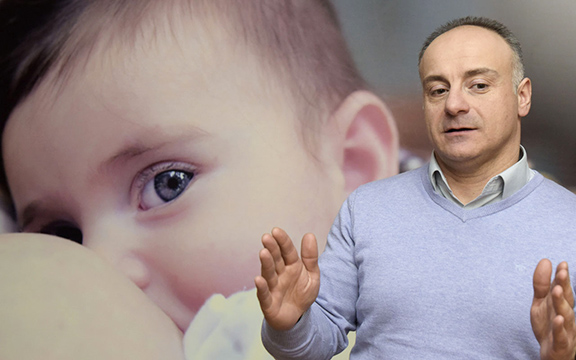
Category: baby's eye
[64,230]
[164,187]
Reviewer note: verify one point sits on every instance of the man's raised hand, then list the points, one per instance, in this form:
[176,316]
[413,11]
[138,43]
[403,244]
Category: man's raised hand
[288,284]
[552,312]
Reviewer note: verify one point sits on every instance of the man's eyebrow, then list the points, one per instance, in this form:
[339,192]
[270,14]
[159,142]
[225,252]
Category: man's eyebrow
[432,78]
[467,74]
[482,71]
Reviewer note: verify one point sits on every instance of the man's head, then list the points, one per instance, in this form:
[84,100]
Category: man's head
[500,29]
[167,136]
[474,93]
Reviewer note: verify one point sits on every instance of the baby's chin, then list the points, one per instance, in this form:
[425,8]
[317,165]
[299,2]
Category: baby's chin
[183,321]
[183,311]
[183,324]
[226,328]
[180,315]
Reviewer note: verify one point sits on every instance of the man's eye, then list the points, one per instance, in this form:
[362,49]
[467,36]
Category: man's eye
[438,92]
[480,86]
[64,230]
[165,187]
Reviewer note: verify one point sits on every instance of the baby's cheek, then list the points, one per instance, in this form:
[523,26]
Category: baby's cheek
[195,259]
[235,273]
[226,274]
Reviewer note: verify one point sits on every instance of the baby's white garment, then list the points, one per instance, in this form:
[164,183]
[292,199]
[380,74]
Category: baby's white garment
[229,328]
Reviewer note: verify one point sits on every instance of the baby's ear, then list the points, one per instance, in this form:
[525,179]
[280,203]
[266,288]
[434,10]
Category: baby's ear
[370,139]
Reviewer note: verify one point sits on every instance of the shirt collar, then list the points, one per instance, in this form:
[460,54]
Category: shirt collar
[516,176]
[497,188]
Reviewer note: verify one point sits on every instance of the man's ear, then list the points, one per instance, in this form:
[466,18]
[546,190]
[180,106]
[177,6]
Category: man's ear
[370,139]
[524,97]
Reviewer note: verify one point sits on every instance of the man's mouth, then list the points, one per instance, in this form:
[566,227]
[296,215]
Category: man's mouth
[459,130]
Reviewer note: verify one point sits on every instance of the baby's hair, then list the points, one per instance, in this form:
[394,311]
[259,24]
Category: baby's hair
[300,40]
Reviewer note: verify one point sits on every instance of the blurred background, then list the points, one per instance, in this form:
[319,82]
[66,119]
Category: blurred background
[385,38]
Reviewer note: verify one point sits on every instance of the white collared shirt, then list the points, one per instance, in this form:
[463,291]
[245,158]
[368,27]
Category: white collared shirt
[497,188]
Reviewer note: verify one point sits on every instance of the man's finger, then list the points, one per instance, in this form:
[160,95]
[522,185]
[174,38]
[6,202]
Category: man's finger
[309,252]
[271,244]
[560,340]
[287,249]
[263,293]
[563,308]
[268,268]
[563,279]
[541,280]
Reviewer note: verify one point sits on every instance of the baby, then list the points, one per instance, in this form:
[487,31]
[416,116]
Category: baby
[161,135]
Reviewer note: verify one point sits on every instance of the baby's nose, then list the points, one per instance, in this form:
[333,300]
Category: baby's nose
[119,247]
[135,269]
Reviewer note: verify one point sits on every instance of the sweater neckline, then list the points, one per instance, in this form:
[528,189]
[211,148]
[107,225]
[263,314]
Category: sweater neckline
[486,210]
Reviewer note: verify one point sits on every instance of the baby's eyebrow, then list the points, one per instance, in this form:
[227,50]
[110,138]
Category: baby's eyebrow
[149,141]
[152,142]
[132,151]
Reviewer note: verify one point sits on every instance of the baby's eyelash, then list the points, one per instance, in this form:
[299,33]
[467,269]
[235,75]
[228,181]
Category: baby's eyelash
[147,174]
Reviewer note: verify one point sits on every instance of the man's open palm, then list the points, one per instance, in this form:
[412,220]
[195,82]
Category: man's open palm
[288,284]
[552,312]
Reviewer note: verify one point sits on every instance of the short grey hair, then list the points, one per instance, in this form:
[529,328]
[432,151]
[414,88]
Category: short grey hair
[486,23]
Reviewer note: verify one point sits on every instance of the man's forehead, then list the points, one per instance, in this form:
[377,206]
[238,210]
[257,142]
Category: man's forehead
[466,35]
[473,45]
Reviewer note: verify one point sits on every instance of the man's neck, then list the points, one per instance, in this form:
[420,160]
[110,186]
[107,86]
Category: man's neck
[468,179]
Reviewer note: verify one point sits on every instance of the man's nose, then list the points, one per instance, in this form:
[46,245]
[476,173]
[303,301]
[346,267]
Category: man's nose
[119,246]
[456,102]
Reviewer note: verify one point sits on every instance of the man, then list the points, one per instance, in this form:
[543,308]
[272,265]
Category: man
[436,263]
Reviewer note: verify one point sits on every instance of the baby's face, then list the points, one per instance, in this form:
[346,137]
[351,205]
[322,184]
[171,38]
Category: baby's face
[172,161]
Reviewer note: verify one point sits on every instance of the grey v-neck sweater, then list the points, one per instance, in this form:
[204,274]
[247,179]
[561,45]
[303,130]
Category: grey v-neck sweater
[418,277]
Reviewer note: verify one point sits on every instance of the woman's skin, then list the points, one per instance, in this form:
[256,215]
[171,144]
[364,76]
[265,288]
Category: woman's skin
[52,310]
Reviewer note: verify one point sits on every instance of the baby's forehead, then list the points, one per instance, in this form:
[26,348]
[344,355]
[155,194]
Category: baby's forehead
[188,54]
[127,71]
[121,41]
[122,38]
